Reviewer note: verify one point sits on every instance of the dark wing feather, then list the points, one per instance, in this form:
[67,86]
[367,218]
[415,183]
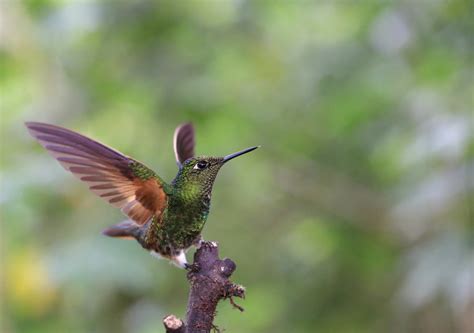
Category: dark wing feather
[122,181]
[183,142]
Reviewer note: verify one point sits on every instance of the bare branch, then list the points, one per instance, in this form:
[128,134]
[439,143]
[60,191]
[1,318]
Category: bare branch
[209,280]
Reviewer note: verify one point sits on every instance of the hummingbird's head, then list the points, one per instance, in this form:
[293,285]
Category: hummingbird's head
[197,174]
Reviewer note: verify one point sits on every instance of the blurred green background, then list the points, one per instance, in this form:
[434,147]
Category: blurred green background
[354,216]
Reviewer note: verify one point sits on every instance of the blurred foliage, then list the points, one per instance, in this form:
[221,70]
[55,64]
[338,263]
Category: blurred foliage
[355,215]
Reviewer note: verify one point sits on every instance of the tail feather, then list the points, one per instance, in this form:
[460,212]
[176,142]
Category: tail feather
[125,230]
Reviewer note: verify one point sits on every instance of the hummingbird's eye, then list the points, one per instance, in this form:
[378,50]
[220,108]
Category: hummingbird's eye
[201,165]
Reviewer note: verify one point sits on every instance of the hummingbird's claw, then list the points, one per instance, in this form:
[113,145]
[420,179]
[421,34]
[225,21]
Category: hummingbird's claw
[192,268]
[208,244]
[198,242]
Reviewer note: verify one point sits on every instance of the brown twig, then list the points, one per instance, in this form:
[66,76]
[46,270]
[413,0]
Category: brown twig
[209,280]
[173,324]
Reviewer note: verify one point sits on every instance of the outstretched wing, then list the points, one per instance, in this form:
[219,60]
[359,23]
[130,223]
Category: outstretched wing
[122,181]
[183,142]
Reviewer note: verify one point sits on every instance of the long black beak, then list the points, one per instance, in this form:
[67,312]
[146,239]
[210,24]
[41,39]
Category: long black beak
[234,155]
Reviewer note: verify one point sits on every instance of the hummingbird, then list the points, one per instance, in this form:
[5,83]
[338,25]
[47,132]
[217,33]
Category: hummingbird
[165,218]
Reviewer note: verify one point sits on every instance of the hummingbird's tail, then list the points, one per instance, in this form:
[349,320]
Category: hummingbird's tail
[125,230]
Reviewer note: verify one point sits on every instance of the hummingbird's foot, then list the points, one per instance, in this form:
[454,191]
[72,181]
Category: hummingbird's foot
[198,242]
[192,268]
[207,245]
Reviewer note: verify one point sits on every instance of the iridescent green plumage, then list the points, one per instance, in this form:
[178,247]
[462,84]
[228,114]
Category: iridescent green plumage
[187,208]
[142,171]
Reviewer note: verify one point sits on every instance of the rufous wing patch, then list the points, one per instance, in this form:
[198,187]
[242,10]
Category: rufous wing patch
[110,174]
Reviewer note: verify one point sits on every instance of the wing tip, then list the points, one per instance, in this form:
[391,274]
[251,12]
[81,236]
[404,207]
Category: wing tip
[36,127]
[188,124]
[32,124]
[29,123]
[186,129]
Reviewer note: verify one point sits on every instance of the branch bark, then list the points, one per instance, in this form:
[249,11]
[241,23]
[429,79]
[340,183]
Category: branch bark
[209,280]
